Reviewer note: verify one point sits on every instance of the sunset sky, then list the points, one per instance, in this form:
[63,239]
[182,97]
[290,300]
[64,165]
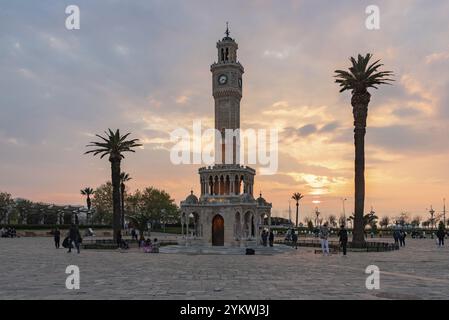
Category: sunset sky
[144,67]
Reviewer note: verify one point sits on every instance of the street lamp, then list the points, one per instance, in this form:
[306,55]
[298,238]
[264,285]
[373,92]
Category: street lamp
[444,211]
[432,212]
[343,202]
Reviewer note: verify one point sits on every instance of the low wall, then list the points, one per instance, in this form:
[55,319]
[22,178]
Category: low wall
[373,246]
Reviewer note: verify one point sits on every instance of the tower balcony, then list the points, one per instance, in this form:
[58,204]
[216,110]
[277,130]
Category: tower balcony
[226,180]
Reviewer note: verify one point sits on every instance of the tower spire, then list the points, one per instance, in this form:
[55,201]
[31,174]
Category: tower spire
[227,32]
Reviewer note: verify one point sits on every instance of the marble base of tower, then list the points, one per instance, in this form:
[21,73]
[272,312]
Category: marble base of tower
[226,214]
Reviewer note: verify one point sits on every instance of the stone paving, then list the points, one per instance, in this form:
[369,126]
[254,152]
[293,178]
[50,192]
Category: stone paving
[31,268]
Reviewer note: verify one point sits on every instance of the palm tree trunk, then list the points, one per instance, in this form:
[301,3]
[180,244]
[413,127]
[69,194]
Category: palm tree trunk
[359,103]
[297,213]
[116,209]
[122,190]
[89,204]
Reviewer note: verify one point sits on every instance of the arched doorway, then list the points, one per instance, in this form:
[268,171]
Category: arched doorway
[218,231]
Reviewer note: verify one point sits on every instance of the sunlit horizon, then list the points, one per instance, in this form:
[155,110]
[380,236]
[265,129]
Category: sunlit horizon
[149,76]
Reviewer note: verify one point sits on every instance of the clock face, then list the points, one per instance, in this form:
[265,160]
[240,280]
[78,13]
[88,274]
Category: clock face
[222,79]
[240,82]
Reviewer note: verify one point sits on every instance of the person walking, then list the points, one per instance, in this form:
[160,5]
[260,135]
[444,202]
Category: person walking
[294,238]
[74,237]
[441,233]
[264,238]
[324,235]
[343,238]
[57,237]
[396,236]
[133,234]
[271,238]
[402,236]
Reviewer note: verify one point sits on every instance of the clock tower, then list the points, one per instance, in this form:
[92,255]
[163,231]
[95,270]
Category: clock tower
[227,91]
[226,212]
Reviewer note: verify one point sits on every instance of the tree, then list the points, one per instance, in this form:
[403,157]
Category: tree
[384,222]
[333,220]
[361,76]
[309,223]
[124,177]
[151,205]
[369,219]
[416,221]
[297,197]
[6,203]
[114,145]
[317,217]
[22,208]
[403,219]
[342,220]
[88,192]
[103,204]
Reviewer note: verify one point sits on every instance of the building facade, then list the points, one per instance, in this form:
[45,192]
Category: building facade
[226,213]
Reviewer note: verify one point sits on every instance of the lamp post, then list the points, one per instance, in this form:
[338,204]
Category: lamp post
[444,211]
[432,222]
[317,214]
[343,202]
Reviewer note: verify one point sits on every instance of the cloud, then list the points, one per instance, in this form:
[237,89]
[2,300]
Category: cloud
[280,54]
[407,139]
[150,74]
[306,130]
[182,99]
[437,57]
[121,50]
[330,127]
[406,112]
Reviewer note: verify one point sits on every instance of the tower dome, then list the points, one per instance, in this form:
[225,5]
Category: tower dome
[191,198]
[261,201]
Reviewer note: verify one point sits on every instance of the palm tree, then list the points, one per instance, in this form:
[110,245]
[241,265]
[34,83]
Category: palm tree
[114,145]
[297,197]
[384,222]
[124,177]
[361,76]
[368,219]
[88,192]
[333,220]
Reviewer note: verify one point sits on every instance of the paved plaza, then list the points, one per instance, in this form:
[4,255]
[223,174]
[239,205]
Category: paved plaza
[31,268]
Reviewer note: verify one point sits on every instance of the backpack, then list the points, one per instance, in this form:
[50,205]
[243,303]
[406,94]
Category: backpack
[250,251]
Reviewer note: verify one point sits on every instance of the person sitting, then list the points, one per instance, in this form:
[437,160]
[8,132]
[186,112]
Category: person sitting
[148,247]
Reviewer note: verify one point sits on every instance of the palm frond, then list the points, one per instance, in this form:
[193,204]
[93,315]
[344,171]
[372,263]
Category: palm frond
[362,75]
[112,144]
